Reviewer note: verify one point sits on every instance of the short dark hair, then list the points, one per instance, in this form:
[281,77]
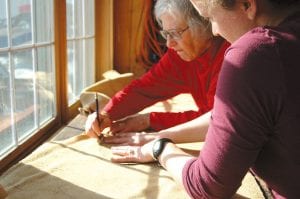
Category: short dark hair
[230,3]
[284,2]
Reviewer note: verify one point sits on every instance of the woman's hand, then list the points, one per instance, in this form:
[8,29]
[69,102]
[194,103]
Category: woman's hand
[92,126]
[128,154]
[136,123]
[173,159]
[133,139]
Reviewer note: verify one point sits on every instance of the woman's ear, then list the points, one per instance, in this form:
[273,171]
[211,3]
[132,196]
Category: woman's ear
[250,7]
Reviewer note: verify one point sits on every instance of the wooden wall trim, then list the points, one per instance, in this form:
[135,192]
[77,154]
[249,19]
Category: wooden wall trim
[60,38]
[103,37]
[128,24]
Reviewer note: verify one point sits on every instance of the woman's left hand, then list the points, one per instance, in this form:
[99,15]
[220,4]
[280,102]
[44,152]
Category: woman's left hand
[128,154]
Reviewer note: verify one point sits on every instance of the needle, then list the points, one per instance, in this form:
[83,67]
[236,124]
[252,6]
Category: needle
[98,119]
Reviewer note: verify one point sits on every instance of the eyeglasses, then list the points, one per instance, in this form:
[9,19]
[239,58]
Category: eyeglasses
[173,34]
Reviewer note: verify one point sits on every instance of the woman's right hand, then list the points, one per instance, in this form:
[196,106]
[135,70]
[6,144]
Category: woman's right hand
[93,128]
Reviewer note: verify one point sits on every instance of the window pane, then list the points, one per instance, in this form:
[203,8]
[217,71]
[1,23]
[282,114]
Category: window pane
[24,92]
[44,15]
[27,73]
[3,25]
[45,80]
[89,17]
[79,69]
[79,18]
[81,64]
[76,69]
[6,136]
[21,22]
[89,61]
[5,85]
[71,71]
[70,18]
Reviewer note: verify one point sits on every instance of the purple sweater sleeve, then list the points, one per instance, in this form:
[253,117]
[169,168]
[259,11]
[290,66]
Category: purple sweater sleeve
[246,102]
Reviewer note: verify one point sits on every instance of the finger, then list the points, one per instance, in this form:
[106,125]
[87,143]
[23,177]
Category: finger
[96,126]
[118,127]
[123,159]
[92,134]
[116,140]
[89,123]
[132,139]
[122,150]
[124,154]
[104,122]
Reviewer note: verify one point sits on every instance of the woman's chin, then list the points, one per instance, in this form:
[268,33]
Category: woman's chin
[184,56]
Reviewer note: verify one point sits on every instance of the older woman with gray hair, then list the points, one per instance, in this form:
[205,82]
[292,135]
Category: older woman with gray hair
[190,65]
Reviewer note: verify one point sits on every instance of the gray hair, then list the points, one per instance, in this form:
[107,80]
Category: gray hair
[182,9]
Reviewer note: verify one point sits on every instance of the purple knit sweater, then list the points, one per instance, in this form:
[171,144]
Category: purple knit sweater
[255,122]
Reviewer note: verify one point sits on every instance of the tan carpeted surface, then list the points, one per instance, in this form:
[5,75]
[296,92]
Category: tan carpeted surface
[78,167]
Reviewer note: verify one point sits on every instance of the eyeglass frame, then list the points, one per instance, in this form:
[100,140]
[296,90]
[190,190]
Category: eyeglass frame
[173,33]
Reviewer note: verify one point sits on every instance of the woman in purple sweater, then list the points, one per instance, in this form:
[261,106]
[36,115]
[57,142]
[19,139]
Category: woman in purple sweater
[255,122]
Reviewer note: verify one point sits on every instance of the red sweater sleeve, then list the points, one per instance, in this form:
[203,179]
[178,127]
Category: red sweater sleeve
[203,94]
[170,77]
[161,82]
[162,120]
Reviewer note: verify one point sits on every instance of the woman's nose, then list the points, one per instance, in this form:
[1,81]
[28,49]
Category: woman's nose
[215,29]
[170,42]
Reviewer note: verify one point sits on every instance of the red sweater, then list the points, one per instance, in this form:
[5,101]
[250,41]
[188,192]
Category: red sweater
[169,77]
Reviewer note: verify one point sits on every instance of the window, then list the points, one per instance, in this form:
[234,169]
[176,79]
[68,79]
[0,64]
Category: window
[43,43]
[80,46]
[27,71]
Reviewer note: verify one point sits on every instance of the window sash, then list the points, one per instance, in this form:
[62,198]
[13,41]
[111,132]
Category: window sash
[80,40]
[28,60]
